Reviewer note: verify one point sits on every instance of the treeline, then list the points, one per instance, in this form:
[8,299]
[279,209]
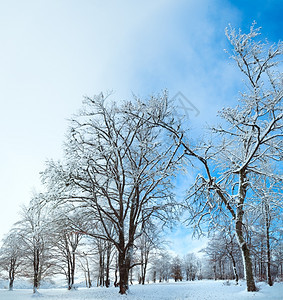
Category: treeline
[45,243]
[105,201]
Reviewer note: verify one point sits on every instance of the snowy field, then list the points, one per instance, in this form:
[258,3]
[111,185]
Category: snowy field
[197,290]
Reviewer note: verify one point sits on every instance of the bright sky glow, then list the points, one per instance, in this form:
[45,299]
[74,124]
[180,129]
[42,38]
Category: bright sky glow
[53,52]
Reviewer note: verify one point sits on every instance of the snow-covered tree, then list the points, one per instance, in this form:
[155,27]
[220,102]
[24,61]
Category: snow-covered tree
[176,269]
[118,168]
[190,265]
[161,266]
[264,212]
[223,253]
[85,259]
[251,135]
[148,241]
[33,231]
[11,257]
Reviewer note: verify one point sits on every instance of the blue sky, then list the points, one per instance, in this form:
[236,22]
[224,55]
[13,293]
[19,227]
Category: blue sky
[53,52]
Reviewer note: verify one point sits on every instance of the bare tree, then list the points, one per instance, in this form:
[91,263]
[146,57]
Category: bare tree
[268,195]
[224,255]
[190,266]
[11,256]
[118,169]
[149,240]
[35,244]
[84,260]
[176,269]
[161,266]
[65,238]
[253,136]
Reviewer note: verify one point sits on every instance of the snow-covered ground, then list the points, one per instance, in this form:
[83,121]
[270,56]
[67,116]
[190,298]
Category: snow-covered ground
[197,290]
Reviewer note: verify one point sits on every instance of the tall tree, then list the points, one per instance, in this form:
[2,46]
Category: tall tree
[252,135]
[118,169]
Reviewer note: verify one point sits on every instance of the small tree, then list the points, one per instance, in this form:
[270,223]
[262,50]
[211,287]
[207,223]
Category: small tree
[11,256]
[85,266]
[146,243]
[66,239]
[176,269]
[190,266]
[34,241]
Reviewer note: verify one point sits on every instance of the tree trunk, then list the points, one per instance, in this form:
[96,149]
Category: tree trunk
[154,276]
[240,237]
[73,265]
[124,266]
[116,272]
[267,226]
[214,271]
[69,263]
[234,267]
[100,281]
[261,274]
[69,273]
[87,275]
[12,274]
[145,262]
[125,256]
[35,270]
[107,269]
[11,284]
[142,277]
[246,257]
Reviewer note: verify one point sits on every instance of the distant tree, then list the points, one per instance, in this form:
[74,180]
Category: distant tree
[224,255]
[278,259]
[270,195]
[84,261]
[216,251]
[161,266]
[190,264]
[265,212]
[104,252]
[176,269]
[232,252]
[11,257]
[65,239]
[34,241]
[148,241]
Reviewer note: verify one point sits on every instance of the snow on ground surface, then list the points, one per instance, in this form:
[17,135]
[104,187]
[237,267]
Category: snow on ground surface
[196,290]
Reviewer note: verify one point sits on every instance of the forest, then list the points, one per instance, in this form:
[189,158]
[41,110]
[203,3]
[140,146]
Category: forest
[103,207]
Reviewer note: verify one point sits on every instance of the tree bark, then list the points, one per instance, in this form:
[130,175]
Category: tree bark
[234,267]
[267,226]
[35,270]
[116,272]
[239,233]
[124,266]
[246,259]
[12,273]
[107,269]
